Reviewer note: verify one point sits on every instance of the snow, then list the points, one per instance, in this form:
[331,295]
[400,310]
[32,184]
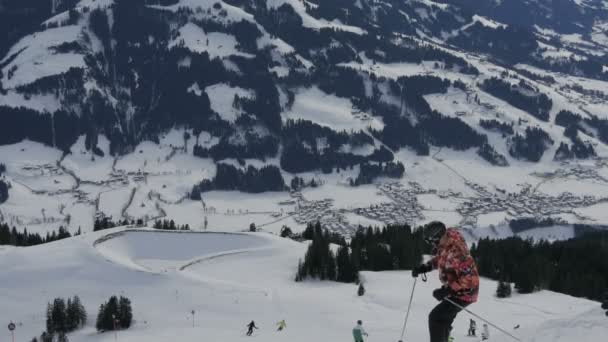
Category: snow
[233,13]
[39,102]
[434,4]
[311,22]
[216,44]
[330,111]
[222,97]
[230,279]
[345,196]
[549,233]
[36,60]
[487,22]
[85,164]
[358,220]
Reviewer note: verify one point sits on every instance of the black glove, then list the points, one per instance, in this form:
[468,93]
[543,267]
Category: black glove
[441,293]
[421,269]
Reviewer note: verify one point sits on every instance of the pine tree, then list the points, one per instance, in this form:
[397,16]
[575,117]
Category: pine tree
[346,270]
[58,315]
[81,312]
[50,327]
[503,290]
[330,266]
[361,290]
[125,313]
[100,323]
[120,309]
[71,316]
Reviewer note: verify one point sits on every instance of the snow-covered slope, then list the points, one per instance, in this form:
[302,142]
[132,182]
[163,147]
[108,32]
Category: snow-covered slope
[130,103]
[230,279]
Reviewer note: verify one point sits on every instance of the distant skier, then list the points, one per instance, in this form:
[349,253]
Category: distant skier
[281,325]
[472,328]
[250,328]
[359,332]
[457,272]
[485,334]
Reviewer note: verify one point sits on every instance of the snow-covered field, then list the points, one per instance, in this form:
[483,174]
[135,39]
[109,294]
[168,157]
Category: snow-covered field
[231,279]
[154,181]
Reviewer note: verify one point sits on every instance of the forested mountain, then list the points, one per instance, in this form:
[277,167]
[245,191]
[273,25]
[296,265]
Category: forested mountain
[241,69]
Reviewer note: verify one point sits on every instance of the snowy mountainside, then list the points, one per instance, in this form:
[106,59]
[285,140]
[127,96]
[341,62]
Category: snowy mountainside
[229,279]
[123,109]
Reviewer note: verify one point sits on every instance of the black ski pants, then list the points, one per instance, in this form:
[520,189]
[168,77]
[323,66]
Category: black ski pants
[441,318]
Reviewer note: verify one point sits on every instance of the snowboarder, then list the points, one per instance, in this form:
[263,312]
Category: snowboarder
[485,334]
[472,328]
[457,272]
[359,332]
[282,325]
[250,328]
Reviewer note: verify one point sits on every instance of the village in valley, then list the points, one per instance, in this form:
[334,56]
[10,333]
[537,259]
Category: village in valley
[404,207]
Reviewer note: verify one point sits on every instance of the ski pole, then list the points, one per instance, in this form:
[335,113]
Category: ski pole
[483,319]
[407,315]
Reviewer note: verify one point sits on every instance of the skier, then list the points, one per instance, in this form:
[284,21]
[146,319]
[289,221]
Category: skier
[282,325]
[457,272]
[472,327]
[251,326]
[485,334]
[359,332]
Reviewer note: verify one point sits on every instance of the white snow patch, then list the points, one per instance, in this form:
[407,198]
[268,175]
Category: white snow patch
[328,110]
[216,44]
[35,59]
[222,97]
[42,103]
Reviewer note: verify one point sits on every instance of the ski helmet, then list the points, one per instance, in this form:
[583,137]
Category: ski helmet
[359,322]
[433,232]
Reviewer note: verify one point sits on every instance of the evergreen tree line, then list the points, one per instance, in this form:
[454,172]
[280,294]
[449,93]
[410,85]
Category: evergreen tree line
[579,149]
[572,120]
[538,105]
[65,316]
[510,44]
[169,225]
[309,147]
[251,180]
[107,223]
[12,237]
[298,183]
[498,126]
[527,223]
[531,146]
[488,153]
[373,249]
[432,128]
[577,267]
[115,314]
[369,172]
[255,147]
